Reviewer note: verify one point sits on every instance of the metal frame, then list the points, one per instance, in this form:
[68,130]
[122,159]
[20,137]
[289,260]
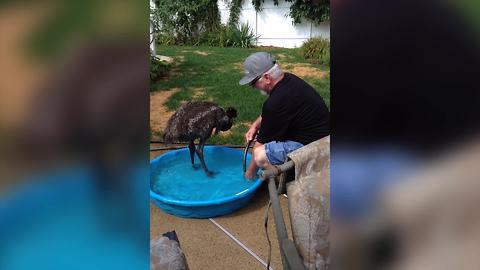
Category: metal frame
[290,258]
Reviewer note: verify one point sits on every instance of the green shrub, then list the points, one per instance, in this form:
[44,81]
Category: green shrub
[316,50]
[166,38]
[242,36]
[227,36]
[158,69]
[213,38]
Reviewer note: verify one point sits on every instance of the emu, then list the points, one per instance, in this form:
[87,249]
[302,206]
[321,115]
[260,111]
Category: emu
[198,120]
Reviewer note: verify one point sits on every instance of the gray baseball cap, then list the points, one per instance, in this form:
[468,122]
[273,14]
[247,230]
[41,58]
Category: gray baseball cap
[255,65]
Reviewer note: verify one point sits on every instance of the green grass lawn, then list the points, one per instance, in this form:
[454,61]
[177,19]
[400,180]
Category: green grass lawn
[218,73]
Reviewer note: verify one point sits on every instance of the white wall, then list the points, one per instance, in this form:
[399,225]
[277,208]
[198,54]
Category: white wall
[273,25]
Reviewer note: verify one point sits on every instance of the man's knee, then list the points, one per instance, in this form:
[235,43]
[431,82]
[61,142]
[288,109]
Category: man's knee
[260,156]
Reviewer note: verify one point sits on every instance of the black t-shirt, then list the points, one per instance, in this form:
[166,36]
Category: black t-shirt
[294,111]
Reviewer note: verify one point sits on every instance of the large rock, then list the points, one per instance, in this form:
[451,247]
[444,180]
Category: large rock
[164,58]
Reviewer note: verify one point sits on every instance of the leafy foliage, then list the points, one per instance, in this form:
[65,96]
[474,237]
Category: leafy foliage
[230,36]
[158,69]
[181,22]
[235,7]
[258,4]
[317,50]
[241,36]
[316,11]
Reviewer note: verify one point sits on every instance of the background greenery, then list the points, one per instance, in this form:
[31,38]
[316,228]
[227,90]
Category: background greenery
[182,22]
[218,73]
[315,11]
[197,22]
[158,69]
[316,50]
[209,56]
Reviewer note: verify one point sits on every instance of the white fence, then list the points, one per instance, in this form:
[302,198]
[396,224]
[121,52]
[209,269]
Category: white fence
[273,26]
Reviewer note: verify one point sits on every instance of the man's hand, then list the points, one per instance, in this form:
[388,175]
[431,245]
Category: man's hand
[249,175]
[251,134]
[252,131]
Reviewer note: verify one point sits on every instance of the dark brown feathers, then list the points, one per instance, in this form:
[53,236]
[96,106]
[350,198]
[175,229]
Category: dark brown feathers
[195,120]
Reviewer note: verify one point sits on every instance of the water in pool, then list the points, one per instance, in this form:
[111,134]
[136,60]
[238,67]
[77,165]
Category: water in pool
[174,177]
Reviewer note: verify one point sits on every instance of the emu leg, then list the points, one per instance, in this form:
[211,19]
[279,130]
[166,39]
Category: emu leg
[200,156]
[191,147]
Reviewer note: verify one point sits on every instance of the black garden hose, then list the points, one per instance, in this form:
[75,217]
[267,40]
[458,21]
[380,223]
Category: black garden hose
[182,146]
[245,155]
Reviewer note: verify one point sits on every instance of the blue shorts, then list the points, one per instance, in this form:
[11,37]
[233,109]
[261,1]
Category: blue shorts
[277,151]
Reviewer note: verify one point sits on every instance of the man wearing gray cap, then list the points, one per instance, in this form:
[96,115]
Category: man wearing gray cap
[294,114]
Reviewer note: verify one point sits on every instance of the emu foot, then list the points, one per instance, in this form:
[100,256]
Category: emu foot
[210,173]
[196,166]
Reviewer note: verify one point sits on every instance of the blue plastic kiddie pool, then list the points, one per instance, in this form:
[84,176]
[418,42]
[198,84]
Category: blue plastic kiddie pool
[179,189]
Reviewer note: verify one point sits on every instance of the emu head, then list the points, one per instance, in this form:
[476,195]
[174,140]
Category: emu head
[225,123]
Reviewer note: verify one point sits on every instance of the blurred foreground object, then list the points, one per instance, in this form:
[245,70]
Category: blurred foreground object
[309,203]
[166,254]
[73,132]
[434,213]
[405,94]
[97,100]
[75,81]
[404,74]
[426,219]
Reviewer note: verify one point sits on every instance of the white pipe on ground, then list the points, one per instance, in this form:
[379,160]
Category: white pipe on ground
[240,243]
